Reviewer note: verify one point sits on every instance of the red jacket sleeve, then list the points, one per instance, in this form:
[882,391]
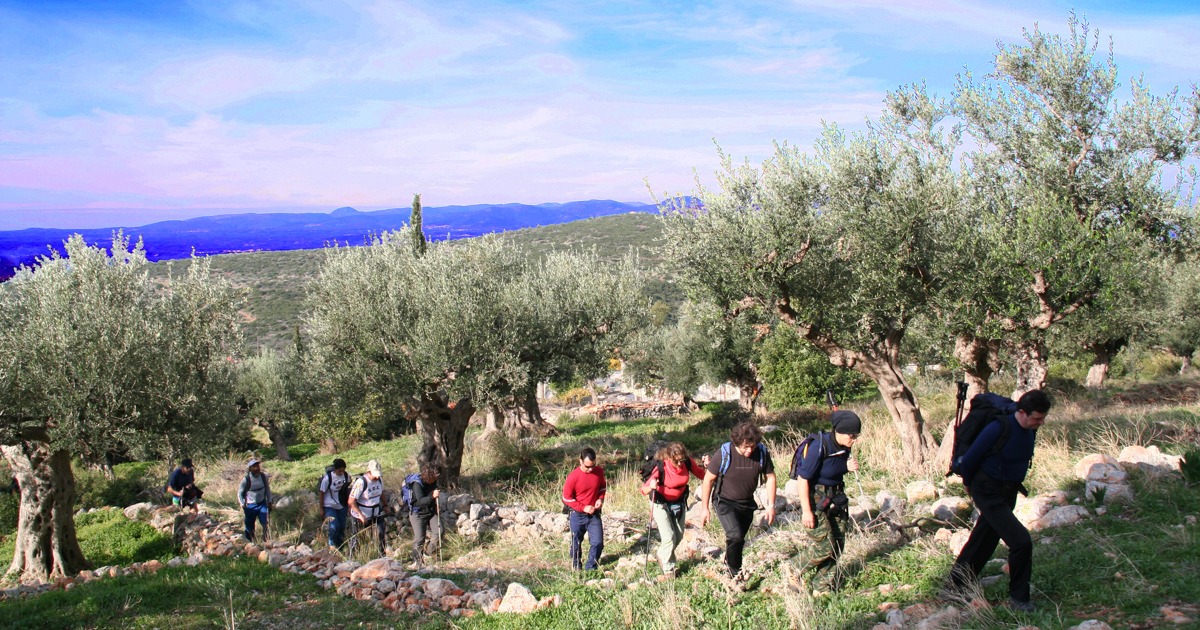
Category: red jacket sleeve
[697,470]
[569,488]
[603,485]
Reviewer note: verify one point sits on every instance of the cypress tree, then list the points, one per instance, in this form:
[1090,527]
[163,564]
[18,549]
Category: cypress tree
[414,221]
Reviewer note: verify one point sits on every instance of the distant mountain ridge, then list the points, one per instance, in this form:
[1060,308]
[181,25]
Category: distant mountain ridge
[230,233]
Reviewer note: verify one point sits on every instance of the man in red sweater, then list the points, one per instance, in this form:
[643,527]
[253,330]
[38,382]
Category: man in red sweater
[583,493]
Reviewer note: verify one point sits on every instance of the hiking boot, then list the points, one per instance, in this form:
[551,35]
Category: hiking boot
[1020,606]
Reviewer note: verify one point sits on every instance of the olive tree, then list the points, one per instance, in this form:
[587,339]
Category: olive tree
[1069,189]
[272,392]
[94,357]
[845,245]
[1179,326]
[467,326]
[702,347]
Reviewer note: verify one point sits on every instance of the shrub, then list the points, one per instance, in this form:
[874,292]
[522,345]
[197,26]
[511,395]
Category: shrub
[9,504]
[133,482]
[1157,365]
[795,374]
[108,538]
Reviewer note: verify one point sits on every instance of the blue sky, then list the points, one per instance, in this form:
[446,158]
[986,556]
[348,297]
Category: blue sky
[126,112]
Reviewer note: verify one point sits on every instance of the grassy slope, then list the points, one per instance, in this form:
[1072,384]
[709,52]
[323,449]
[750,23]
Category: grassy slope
[1111,567]
[276,282]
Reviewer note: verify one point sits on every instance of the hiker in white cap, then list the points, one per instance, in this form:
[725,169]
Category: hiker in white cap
[366,501]
[254,495]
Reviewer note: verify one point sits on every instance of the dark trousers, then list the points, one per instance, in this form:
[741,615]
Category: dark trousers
[591,525]
[253,512]
[736,519]
[995,501]
[337,526]
[375,518]
[424,525]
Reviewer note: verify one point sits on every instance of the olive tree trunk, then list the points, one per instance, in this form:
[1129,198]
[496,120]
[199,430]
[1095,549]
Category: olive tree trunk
[980,358]
[1102,355]
[278,440]
[443,428]
[1032,366]
[520,420]
[46,545]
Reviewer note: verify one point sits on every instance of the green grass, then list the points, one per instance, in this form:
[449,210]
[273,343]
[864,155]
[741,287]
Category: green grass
[200,597]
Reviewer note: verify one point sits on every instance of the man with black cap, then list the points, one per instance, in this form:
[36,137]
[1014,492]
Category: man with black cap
[335,499]
[181,485]
[825,461]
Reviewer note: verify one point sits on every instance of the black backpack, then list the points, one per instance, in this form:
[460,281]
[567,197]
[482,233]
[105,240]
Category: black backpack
[819,438]
[985,409]
[650,463]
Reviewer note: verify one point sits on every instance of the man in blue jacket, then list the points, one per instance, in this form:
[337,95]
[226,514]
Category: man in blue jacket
[993,474]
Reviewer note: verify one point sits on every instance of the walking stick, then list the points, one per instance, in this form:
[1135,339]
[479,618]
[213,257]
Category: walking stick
[437,510]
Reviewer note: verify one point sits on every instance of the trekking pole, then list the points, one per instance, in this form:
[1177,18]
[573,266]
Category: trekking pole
[437,510]
[958,416]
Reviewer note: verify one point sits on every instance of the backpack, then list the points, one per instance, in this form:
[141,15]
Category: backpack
[802,451]
[406,494]
[650,461]
[985,409]
[343,494]
[760,453]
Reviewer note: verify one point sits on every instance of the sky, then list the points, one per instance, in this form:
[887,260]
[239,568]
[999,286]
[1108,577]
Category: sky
[125,112]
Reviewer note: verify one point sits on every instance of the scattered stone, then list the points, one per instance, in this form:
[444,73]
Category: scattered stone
[438,588]
[1060,516]
[1091,624]
[175,562]
[920,490]
[952,509]
[137,509]
[518,599]
[1174,615]
[374,570]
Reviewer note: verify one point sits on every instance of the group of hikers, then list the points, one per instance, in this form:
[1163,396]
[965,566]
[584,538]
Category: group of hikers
[993,468]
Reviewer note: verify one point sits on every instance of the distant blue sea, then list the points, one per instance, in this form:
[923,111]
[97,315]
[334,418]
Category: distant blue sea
[283,231]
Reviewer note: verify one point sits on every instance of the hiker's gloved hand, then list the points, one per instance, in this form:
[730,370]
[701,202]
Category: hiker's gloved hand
[852,464]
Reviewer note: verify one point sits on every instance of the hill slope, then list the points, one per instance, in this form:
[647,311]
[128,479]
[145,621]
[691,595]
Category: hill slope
[276,281]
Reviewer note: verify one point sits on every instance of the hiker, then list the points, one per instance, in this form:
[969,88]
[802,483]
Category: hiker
[366,502]
[423,511]
[993,477]
[583,493]
[335,494]
[820,465]
[254,495]
[181,485]
[667,488]
[736,470]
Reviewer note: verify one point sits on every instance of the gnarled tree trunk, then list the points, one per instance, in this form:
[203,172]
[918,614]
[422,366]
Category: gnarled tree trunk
[443,428]
[1185,365]
[980,358]
[902,405]
[46,545]
[278,440]
[1102,355]
[1032,366]
[521,420]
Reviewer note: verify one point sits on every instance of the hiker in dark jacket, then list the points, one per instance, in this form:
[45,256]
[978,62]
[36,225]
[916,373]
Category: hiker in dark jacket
[737,468]
[669,496]
[993,480]
[424,510]
[254,495]
[181,485]
[823,499]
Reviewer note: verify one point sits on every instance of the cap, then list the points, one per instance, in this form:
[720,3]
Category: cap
[845,422]
[253,461]
[374,468]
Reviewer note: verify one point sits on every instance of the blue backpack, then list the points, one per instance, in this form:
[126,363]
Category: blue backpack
[406,494]
[760,453]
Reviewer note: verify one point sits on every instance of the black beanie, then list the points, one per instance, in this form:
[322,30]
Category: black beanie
[846,422]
